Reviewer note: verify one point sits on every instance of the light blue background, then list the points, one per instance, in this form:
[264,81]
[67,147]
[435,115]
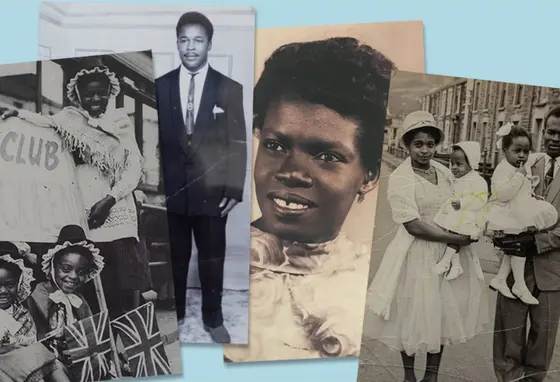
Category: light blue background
[501,40]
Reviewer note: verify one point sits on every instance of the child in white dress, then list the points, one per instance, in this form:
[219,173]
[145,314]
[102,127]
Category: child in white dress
[513,208]
[464,212]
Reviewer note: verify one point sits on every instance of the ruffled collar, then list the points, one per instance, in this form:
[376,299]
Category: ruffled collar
[271,253]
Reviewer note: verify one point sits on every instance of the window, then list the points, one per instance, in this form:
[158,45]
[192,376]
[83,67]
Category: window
[474,132]
[537,133]
[518,94]
[487,96]
[457,100]
[476,94]
[503,93]
[541,94]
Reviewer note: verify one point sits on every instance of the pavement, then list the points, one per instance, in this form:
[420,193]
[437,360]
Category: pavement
[471,361]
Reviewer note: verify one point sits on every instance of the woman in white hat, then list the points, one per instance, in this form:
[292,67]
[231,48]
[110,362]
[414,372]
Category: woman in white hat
[416,310]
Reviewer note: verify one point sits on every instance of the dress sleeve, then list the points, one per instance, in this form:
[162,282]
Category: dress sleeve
[132,173]
[401,197]
[36,119]
[506,183]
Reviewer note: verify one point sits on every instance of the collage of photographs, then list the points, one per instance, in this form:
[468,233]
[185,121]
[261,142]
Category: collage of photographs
[174,175]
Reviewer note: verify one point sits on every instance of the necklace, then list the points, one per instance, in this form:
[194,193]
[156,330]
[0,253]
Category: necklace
[429,171]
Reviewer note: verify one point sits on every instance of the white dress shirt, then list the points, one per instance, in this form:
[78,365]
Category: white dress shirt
[184,83]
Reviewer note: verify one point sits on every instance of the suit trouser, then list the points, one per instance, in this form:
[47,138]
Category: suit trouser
[520,350]
[210,238]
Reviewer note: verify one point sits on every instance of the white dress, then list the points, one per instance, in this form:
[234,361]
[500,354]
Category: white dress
[471,191]
[512,207]
[427,310]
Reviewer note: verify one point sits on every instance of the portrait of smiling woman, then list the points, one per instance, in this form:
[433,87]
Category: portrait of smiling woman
[319,114]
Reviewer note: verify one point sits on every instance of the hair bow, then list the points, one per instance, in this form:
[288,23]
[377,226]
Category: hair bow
[502,132]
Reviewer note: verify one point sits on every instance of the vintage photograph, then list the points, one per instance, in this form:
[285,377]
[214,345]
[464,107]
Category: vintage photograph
[319,117]
[85,266]
[204,69]
[464,278]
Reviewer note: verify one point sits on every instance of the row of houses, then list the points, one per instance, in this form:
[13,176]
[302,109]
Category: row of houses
[469,109]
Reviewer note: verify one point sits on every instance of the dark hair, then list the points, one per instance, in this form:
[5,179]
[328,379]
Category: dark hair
[553,113]
[73,249]
[516,132]
[10,267]
[195,18]
[433,132]
[339,73]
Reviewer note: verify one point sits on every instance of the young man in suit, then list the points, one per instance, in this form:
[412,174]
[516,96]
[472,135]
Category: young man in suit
[204,153]
[519,355]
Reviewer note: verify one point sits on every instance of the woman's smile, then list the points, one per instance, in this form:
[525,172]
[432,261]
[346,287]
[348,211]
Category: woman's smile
[290,205]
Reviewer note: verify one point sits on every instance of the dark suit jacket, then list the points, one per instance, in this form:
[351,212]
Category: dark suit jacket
[197,177]
[547,261]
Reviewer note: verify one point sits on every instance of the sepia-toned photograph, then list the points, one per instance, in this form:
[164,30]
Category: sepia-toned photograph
[319,118]
[464,280]
[204,69]
[85,268]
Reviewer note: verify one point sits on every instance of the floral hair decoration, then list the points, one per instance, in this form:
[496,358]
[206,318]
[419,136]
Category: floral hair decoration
[502,132]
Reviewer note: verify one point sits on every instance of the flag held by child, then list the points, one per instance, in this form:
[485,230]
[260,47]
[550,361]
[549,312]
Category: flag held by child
[140,335]
[89,347]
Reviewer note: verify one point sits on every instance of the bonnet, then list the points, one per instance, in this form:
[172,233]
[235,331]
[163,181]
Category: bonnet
[472,152]
[10,254]
[91,65]
[73,236]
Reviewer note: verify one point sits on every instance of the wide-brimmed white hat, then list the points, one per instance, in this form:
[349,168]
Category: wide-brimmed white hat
[417,120]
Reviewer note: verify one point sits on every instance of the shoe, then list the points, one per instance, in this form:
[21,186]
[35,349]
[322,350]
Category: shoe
[524,295]
[219,334]
[501,286]
[454,272]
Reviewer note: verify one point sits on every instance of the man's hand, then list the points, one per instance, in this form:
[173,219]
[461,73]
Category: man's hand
[227,204]
[516,245]
[100,212]
[6,113]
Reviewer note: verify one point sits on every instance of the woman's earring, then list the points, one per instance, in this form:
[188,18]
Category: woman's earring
[361,196]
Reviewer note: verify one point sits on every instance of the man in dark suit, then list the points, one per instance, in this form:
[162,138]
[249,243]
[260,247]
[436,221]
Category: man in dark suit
[204,153]
[522,351]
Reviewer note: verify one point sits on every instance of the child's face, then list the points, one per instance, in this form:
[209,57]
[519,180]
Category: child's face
[70,271]
[94,97]
[459,163]
[8,288]
[308,171]
[518,152]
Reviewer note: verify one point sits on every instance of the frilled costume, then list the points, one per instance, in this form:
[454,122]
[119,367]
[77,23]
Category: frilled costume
[29,361]
[307,300]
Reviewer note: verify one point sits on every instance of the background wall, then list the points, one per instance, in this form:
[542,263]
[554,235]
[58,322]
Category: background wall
[81,29]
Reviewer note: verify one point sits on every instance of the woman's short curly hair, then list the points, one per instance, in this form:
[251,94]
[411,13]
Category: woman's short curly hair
[340,73]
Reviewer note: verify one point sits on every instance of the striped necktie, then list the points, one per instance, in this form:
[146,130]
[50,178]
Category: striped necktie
[550,173]
[190,109]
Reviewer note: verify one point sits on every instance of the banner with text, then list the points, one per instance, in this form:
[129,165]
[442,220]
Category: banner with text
[38,189]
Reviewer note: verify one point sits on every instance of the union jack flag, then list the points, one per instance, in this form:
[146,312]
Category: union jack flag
[89,346]
[142,341]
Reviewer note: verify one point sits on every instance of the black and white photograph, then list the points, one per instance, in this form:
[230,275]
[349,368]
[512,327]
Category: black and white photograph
[86,290]
[465,278]
[204,69]
[319,118]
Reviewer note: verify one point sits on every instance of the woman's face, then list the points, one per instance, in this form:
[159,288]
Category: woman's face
[8,288]
[70,271]
[94,96]
[422,148]
[308,171]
